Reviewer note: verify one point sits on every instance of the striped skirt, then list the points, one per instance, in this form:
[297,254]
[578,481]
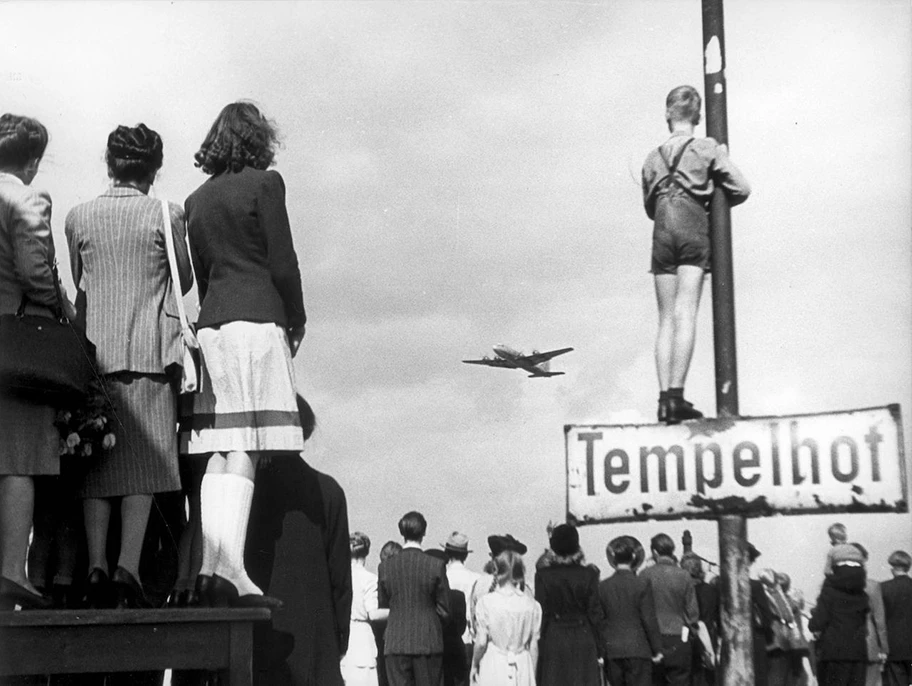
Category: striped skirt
[144,459]
[248,401]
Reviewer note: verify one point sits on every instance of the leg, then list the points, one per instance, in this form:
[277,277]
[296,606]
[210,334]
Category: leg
[97,514]
[134,513]
[17,505]
[211,513]
[237,490]
[666,287]
[686,305]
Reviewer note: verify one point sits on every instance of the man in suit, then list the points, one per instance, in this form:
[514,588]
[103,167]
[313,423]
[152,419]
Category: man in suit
[414,587]
[677,612]
[897,599]
[630,631]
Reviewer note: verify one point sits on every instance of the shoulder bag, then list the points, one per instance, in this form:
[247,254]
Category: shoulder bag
[45,359]
[190,374]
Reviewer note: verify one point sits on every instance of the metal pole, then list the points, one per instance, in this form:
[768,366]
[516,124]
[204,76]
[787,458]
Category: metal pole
[723,280]
[736,661]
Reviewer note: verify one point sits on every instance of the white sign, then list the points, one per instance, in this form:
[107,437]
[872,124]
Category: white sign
[837,462]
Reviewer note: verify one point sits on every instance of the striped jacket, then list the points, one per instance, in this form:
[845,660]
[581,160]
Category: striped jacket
[119,260]
[413,585]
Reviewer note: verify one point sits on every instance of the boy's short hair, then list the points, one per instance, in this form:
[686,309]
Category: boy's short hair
[901,560]
[413,526]
[662,544]
[683,104]
[837,532]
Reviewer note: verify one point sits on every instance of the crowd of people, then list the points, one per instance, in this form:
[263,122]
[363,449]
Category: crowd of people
[654,620]
[185,504]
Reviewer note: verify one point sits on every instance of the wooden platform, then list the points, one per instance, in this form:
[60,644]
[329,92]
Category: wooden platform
[79,641]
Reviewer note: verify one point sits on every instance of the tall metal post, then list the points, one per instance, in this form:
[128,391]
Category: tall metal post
[737,665]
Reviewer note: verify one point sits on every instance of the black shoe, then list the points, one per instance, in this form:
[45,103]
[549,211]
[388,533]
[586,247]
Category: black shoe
[62,595]
[129,591]
[203,590]
[662,413]
[226,595]
[99,594]
[679,410]
[223,593]
[12,594]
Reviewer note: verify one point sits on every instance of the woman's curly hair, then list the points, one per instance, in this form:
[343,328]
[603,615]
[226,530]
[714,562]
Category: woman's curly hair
[240,137]
[22,139]
[134,153]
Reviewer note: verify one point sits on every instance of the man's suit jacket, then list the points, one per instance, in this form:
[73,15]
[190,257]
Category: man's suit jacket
[630,628]
[897,600]
[413,585]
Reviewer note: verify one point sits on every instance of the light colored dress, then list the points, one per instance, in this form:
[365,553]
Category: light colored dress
[359,666]
[508,621]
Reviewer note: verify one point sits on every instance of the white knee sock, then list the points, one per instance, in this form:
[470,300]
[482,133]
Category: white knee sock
[211,516]
[237,497]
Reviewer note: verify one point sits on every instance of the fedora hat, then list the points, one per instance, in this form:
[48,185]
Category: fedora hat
[457,542]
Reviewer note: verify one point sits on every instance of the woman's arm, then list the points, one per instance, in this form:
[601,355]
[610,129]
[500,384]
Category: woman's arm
[181,252]
[32,242]
[283,261]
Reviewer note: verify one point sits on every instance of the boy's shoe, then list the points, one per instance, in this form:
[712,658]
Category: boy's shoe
[679,410]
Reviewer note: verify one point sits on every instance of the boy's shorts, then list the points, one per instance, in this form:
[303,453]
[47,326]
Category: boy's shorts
[680,235]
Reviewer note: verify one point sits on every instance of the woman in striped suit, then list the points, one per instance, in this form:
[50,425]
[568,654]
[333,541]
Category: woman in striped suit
[119,259]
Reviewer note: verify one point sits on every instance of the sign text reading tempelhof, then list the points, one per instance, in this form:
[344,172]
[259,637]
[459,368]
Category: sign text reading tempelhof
[836,462]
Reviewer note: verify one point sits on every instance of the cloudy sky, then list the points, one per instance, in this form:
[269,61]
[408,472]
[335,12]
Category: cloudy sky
[462,174]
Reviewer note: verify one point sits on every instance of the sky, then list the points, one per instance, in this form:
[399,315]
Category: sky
[463,174]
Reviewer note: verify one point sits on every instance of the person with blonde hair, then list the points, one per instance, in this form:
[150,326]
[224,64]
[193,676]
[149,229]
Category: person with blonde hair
[508,625]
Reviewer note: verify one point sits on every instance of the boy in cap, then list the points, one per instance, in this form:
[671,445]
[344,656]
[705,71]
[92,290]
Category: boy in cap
[897,599]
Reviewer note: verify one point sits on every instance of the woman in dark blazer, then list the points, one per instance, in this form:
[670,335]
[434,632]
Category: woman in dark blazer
[119,259]
[29,443]
[567,590]
[251,323]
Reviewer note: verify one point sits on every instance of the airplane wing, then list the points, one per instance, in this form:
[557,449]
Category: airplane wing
[492,363]
[538,358]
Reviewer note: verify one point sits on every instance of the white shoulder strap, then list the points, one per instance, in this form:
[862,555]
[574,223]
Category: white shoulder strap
[175,275]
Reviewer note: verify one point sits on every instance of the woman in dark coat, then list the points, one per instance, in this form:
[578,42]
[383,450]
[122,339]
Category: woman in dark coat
[567,590]
[839,621]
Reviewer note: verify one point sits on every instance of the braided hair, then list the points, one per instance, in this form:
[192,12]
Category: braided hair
[134,153]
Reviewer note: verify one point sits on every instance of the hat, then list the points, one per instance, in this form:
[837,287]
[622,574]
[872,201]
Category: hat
[436,554]
[498,544]
[564,540]
[639,553]
[457,542]
[846,553]
[752,552]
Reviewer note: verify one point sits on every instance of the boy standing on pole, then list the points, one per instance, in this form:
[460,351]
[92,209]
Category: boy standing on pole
[679,178]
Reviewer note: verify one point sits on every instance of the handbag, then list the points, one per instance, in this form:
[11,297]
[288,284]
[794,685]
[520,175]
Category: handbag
[190,361]
[45,359]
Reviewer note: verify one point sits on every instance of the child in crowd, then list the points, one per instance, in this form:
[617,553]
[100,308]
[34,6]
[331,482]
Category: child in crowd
[679,178]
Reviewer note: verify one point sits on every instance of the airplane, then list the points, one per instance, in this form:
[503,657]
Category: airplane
[537,364]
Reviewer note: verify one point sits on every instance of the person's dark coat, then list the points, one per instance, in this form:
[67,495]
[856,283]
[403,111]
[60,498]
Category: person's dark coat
[840,617]
[309,569]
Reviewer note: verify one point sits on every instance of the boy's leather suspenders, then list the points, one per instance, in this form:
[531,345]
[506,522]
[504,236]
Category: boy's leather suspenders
[671,176]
